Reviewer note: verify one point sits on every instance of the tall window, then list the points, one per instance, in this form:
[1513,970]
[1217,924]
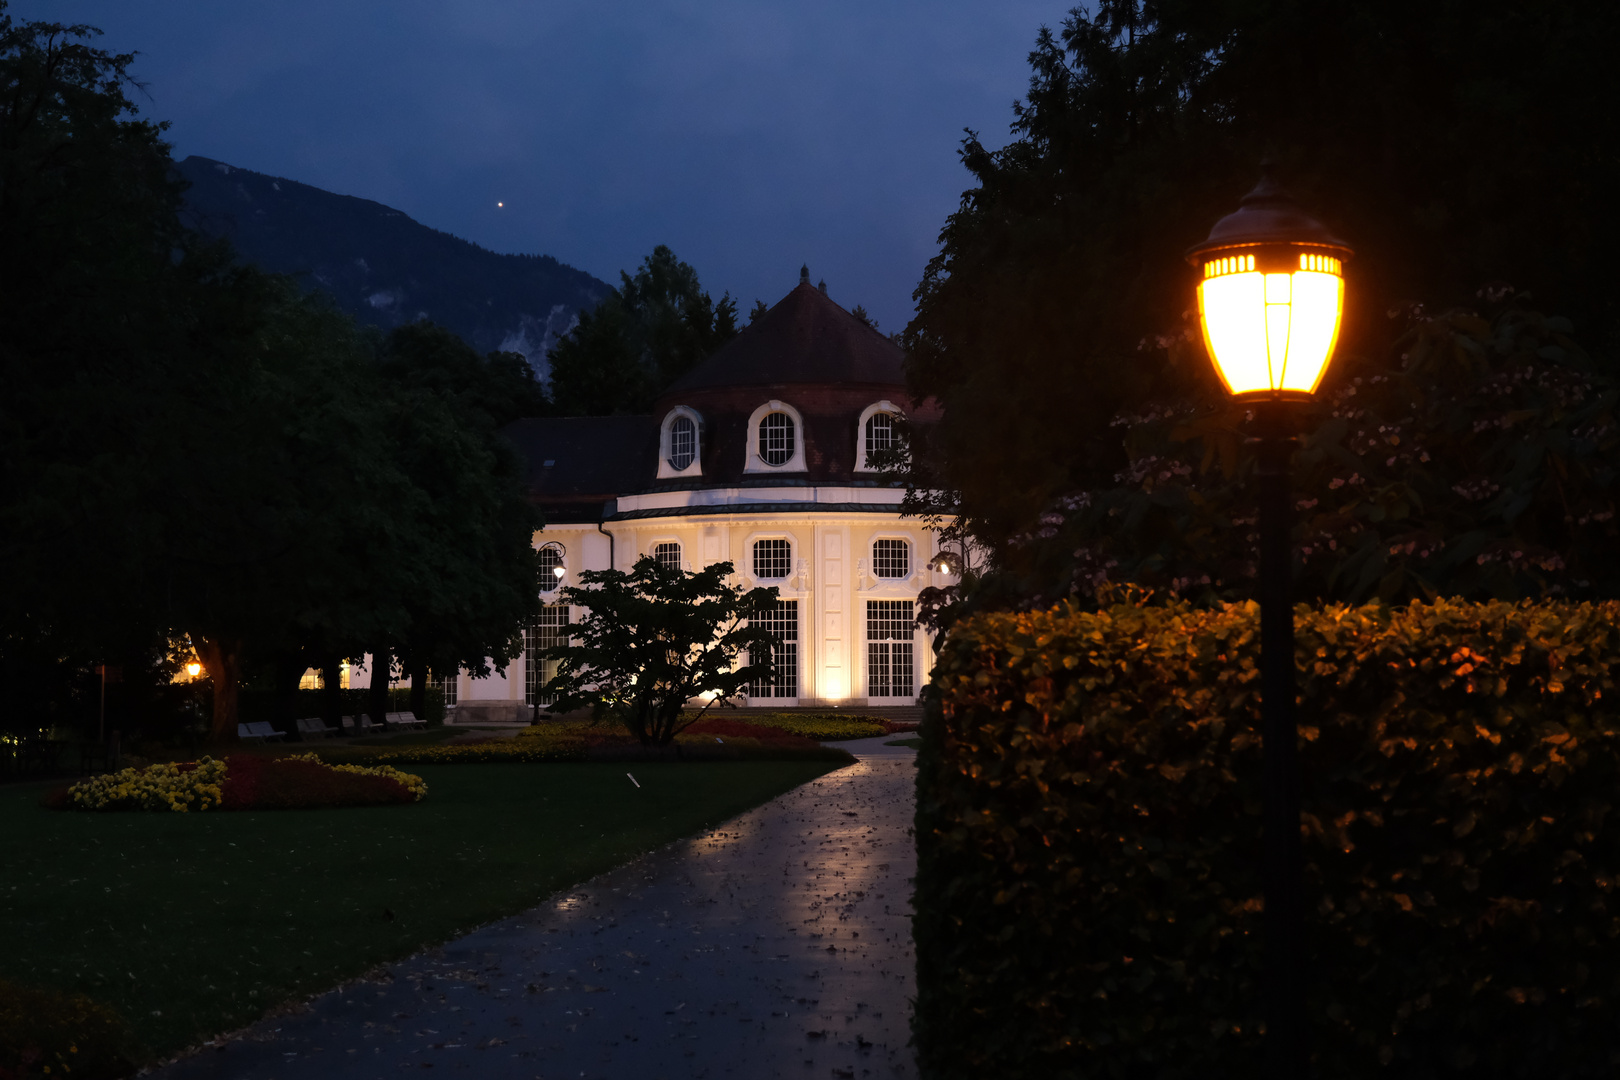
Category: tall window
[772,558]
[890,626]
[447,686]
[550,628]
[891,558]
[776,438]
[879,434]
[782,620]
[667,555]
[551,560]
[682,442]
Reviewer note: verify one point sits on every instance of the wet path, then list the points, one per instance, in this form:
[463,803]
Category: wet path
[776,945]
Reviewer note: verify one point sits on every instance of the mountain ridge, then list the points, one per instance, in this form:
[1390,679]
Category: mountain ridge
[385,268]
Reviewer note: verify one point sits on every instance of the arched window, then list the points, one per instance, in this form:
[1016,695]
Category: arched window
[552,568]
[776,438]
[879,434]
[877,431]
[682,442]
[773,559]
[667,555]
[891,558]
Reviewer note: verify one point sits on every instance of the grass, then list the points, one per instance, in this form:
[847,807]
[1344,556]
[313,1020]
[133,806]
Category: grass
[194,924]
[915,742]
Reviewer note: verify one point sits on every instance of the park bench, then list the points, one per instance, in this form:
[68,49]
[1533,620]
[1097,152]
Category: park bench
[404,720]
[262,731]
[314,727]
[364,721]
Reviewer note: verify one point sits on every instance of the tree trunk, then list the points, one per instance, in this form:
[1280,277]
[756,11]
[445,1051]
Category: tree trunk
[382,665]
[332,692]
[289,669]
[417,672]
[222,660]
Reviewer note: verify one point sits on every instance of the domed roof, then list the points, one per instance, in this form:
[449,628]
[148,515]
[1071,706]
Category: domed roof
[805,338]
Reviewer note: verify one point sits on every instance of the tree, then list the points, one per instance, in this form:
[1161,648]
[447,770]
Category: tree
[654,638]
[1438,137]
[648,332]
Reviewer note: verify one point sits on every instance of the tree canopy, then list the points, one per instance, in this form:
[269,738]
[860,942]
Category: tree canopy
[1450,143]
[652,329]
[191,446]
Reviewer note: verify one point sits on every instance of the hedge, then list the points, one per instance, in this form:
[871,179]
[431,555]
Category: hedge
[1088,894]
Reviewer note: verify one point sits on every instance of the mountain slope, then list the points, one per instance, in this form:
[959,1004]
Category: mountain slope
[386,269]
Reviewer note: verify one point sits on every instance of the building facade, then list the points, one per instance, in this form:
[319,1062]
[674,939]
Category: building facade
[759,456]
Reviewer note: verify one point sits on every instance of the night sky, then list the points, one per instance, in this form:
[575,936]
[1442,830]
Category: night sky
[749,136]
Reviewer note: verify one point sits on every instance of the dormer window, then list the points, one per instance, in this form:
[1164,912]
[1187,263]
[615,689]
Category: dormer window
[879,432]
[776,434]
[680,444]
[775,440]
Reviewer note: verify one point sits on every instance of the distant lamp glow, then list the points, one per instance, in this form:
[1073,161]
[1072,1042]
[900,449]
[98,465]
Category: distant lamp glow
[194,670]
[1270,296]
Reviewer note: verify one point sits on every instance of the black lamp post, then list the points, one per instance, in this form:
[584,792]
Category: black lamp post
[1269,302]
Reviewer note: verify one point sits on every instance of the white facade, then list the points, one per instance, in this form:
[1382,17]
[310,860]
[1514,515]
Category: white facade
[833,578]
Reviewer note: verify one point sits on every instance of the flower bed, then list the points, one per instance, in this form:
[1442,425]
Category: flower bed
[822,727]
[242,782]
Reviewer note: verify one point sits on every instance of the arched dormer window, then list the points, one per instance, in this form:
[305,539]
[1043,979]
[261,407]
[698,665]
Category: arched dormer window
[877,431]
[680,444]
[775,440]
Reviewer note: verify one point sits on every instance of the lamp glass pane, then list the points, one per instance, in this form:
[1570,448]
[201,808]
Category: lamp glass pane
[1233,313]
[1277,342]
[1313,328]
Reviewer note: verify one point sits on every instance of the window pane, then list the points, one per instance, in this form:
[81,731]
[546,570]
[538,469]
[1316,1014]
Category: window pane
[776,438]
[549,629]
[890,626]
[667,555]
[782,620]
[682,442]
[551,558]
[891,558]
[879,434]
[772,558]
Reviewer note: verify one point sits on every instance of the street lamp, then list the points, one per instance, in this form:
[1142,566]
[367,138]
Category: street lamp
[1270,303]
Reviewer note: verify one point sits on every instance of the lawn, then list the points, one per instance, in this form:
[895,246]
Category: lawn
[194,924]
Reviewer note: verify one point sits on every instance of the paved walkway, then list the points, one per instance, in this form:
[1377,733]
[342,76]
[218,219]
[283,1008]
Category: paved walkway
[778,944]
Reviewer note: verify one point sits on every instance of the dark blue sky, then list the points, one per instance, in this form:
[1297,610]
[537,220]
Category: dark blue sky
[749,136]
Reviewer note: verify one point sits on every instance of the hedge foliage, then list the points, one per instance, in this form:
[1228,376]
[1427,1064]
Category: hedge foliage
[1088,894]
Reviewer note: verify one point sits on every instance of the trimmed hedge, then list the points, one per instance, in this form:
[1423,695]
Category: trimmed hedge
[1088,892]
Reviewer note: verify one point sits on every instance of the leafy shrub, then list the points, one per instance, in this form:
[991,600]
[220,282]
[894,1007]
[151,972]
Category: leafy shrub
[244,782]
[49,1033]
[1088,890]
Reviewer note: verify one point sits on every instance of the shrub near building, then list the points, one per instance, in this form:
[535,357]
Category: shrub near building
[1088,893]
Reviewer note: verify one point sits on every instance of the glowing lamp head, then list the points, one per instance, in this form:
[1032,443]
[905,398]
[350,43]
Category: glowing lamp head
[557,572]
[1270,296]
[193,670]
